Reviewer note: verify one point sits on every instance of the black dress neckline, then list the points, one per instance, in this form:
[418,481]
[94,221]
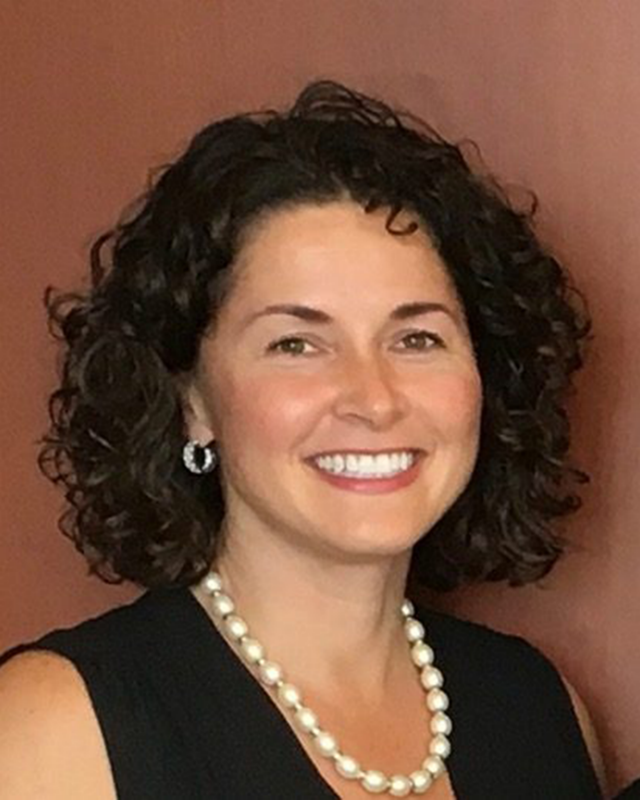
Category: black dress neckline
[252,698]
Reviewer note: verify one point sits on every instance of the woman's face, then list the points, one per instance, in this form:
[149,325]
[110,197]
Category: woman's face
[340,384]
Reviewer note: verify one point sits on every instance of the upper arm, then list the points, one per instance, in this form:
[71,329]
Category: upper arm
[50,740]
[589,733]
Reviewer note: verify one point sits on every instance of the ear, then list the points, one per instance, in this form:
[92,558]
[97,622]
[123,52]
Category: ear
[195,410]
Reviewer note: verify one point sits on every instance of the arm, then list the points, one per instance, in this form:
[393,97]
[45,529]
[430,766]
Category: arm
[589,734]
[50,740]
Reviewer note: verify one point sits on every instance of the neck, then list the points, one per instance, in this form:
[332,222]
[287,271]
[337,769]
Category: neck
[319,617]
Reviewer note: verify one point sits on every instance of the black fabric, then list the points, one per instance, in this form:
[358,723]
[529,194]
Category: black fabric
[183,719]
[632,792]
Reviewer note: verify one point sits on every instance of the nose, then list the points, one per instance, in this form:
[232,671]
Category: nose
[369,393]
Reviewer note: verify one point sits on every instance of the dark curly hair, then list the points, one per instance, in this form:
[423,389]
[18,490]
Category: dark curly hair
[158,278]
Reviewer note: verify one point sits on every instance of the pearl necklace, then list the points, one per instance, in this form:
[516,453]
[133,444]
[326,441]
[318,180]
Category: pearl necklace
[272,676]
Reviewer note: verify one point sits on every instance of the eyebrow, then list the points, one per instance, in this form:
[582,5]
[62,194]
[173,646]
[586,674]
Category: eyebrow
[402,312]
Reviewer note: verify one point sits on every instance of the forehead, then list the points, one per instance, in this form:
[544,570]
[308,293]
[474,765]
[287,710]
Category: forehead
[322,252]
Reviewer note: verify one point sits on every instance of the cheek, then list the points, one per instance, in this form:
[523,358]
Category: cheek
[453,403]
[270,413]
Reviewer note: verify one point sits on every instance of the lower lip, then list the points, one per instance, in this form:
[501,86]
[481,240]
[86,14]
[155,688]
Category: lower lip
[372,485]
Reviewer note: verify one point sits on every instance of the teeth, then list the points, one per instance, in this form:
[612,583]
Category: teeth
[352,465]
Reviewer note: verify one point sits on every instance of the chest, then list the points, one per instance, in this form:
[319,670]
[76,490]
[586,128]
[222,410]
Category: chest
[393,743]
[346,790]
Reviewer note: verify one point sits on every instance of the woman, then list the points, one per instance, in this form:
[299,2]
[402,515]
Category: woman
[320,366]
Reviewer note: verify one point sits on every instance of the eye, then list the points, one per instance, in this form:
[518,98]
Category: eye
[420,341]
[291,346]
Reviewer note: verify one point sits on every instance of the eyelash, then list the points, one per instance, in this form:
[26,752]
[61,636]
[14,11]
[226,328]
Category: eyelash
[277,347]
[436,341]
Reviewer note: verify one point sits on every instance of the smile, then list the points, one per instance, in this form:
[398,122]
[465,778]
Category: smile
[366,466]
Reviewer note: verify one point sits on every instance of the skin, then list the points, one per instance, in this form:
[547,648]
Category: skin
[299,548]
[273,390]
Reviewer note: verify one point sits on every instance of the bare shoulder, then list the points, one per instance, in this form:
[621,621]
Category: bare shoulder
[50,740]
[588,732]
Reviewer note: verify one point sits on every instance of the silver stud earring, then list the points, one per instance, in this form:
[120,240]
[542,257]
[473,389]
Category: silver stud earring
[198,458]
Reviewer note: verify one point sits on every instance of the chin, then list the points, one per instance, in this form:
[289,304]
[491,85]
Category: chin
[373,541]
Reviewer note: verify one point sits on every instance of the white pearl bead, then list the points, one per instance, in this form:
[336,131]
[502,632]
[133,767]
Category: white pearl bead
[325,743]
[289,695]
[374,781]
[399,785]
[440,746]
[347,766]
[407,609]
[421,781]
[441,723]
[222,605]
[414,630]
[421,654]
[212,583]
[434,765]
[437,700]
[306,718]
[252,650]
[270,673]
[431,678]
[236,626]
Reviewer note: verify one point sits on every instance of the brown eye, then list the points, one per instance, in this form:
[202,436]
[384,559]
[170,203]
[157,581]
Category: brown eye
[420,340]
[291,346]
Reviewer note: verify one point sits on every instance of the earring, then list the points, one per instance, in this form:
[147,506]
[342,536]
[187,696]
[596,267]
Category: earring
[199,458]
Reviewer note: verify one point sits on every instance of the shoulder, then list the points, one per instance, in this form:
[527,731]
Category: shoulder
[517,672]
[505,655]
[50,741]
[507,659]
[51,694]
[105,639]
[89,699]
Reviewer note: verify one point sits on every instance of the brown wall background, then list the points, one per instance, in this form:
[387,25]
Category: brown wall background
[94,92]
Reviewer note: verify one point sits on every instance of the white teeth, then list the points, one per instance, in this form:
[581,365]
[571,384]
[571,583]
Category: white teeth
[352,465]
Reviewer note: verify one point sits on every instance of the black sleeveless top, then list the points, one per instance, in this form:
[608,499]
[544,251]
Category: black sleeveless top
[183,719]
[631,792]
